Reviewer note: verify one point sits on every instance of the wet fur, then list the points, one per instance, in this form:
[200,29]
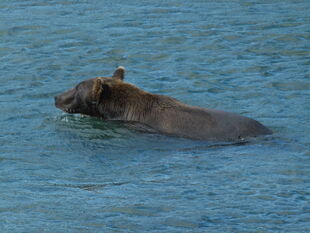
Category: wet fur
[118,100]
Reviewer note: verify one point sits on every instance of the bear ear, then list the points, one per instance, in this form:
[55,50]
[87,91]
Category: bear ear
[100,91]
[119,73]
[97,89]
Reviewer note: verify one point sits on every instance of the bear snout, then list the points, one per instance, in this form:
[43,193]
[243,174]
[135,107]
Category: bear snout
[59,101]
[56,98]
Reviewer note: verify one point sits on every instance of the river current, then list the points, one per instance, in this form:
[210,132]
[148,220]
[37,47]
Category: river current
[69,173]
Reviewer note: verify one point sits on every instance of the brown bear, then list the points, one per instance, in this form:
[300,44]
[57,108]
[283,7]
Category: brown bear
[110,98]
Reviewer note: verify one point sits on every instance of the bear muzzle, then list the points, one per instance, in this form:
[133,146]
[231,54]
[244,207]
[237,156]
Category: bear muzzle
[65,104]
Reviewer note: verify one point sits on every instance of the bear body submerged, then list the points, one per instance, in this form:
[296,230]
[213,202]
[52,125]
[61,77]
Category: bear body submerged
[112,99]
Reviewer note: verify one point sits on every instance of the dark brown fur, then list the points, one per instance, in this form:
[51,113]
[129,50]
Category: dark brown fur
[113,99]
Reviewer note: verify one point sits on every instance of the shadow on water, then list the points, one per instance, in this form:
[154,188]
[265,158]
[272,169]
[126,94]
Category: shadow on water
[89,186]
[93,128]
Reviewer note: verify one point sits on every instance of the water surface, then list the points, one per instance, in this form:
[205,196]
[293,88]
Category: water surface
[64,173]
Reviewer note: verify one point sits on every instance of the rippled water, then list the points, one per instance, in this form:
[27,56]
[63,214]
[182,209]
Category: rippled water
[63,173]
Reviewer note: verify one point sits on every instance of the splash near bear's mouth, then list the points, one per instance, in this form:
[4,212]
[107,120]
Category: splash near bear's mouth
[70,110]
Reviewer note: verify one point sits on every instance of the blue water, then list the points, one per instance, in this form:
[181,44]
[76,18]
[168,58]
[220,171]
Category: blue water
[64,173]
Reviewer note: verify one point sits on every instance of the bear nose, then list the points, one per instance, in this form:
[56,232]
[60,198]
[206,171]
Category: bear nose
[55,98]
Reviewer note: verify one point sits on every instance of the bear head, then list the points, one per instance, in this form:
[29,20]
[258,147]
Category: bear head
[87,97]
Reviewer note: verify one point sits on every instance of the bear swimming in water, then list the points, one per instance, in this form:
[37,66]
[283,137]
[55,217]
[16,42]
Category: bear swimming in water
[110,98]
